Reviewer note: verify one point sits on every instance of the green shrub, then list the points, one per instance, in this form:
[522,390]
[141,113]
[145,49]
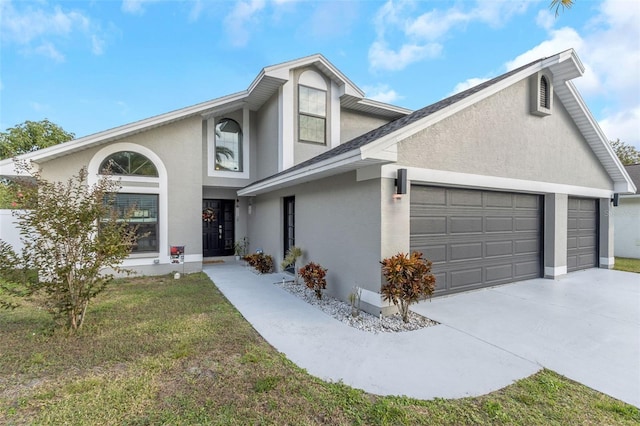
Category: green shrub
[314,277]
[409,280]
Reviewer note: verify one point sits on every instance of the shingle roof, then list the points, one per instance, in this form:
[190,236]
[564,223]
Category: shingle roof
[397,124]
[634,173]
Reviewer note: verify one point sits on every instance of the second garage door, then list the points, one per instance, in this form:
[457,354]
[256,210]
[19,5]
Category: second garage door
[582,234]
[477,238]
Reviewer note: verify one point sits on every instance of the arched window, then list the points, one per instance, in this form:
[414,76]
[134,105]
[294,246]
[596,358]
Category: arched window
[544,92]
[128,163]
[228,146]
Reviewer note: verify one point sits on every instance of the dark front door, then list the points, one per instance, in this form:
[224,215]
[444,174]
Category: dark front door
[289,226]
[217,227]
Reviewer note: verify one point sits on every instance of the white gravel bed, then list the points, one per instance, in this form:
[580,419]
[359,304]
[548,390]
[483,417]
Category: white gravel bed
[364,321]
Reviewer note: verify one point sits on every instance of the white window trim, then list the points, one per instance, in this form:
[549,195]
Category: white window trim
[211,149]
[325,117]
[160,187]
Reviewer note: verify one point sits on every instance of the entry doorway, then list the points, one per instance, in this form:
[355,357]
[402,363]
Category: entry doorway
[217,227]
[289,227]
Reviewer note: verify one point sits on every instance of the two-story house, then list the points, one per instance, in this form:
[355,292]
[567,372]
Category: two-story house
[506,181]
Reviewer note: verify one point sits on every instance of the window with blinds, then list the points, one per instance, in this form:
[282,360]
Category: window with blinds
[140,211]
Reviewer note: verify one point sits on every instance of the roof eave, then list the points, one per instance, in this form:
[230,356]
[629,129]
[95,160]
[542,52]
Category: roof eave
[595,137]
[130,129]
[348,161]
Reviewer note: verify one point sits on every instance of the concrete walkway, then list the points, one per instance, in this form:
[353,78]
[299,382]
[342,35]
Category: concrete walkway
[585,326]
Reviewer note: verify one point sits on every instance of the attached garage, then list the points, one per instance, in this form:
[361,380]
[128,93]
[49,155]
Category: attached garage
[582,234]
[477,238]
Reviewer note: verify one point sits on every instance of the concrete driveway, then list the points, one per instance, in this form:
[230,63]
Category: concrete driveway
[585,326]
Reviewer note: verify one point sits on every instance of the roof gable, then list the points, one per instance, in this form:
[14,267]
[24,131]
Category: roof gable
[379,144]
[266,83]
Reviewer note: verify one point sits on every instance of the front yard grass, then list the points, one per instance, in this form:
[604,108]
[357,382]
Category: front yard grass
[163,351]
[627,264]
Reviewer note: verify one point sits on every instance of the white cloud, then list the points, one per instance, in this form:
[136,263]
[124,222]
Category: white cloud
[421,35]
[196,10]
[467,84]
[134,7]
[497,12]
[49,50]
[560,40]
[239,21]
[382,93]
[623,125]
[382,57]
[38,107]
[36,28]
[545,19]
[609,48]
[435,24]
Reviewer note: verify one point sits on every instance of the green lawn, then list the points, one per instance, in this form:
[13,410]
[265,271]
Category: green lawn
[164,351]
[626,264]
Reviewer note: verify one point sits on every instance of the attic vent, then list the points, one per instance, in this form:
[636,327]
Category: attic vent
[544,92]
[541,94]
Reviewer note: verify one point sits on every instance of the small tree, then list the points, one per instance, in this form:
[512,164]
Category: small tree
[291,258]
[627,154]
[409,280]
[70,238]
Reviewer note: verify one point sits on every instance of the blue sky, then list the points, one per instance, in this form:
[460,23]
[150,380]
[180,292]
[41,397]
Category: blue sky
[93,65]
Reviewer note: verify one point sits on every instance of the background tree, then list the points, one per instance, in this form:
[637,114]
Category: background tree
[73,243]
[26,137]
[626,153]
[31,136]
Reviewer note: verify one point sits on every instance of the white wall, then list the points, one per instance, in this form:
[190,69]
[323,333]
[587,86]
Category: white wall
[8,230]
[626,220]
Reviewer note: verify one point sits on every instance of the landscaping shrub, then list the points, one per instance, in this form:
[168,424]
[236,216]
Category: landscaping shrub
[314,277]
[409,280]
[261,262]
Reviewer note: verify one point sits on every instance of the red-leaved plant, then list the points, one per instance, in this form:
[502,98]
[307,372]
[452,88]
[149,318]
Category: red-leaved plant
[262,263]
[409,280]
[314,277]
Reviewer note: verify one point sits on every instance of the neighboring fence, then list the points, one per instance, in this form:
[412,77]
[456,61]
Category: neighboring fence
[626,225]
[8,229]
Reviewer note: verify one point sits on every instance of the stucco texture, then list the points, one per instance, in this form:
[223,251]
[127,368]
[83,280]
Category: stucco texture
[498,136]
[179,147]
[337,224]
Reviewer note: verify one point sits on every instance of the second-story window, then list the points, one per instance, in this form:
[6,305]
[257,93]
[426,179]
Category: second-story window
[228,146]
[312,114]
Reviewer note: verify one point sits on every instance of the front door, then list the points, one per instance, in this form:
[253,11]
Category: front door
[217,227]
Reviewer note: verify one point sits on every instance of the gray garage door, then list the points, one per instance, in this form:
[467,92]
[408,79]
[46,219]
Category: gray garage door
[582,234]
[476,238]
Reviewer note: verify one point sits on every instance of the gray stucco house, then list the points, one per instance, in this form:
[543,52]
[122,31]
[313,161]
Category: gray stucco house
[509,180]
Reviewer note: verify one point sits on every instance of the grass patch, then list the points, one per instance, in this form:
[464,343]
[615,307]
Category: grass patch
[627,264]
[159,351]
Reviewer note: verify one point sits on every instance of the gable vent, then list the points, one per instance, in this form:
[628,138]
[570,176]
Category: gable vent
[544,92]
[541,94]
